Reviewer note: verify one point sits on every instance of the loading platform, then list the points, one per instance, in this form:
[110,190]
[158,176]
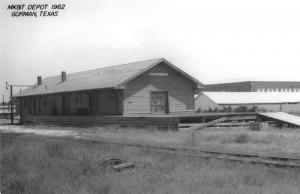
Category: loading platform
[281,117]
[172,121]
[165,121]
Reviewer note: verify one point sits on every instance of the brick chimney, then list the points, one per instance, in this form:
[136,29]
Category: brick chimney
[63,76]
[39,80]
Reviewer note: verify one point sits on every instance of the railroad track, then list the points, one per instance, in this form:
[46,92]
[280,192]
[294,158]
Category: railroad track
[270,160]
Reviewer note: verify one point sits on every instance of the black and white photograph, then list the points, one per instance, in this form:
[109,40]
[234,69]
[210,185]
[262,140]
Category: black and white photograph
[149,97]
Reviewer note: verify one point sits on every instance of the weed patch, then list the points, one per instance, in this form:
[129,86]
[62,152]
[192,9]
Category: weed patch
[242,138]
[41,166]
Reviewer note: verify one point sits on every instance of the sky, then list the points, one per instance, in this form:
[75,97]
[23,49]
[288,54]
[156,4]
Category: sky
[215,41]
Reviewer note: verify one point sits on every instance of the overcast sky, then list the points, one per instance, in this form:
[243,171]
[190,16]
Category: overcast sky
[213,40]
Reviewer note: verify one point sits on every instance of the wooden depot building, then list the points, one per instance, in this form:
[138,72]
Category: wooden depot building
[147,87]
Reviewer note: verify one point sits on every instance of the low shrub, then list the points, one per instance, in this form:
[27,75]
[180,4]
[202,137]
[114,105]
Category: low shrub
[242,138]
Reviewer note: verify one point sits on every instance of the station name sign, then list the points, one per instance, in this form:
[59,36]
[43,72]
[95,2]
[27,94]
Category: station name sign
[159,74]
[35,10]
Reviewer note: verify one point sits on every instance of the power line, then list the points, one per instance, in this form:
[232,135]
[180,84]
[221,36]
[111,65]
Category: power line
[11,98]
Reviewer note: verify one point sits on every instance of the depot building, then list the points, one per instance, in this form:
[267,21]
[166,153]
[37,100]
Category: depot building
[146,87]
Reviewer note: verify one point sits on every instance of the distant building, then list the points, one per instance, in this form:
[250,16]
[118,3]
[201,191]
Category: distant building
[248,101]
[7,108]
[147,87]
[254,86]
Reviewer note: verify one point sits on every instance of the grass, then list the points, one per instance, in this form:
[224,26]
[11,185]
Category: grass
[268,140]
[64,166]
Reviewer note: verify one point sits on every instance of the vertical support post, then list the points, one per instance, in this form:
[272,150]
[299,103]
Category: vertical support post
[11,106]
[280,107]
[3,107]
[20,109]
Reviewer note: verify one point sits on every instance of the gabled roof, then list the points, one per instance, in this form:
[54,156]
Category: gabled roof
[264,83]
[234,98]
[107,77]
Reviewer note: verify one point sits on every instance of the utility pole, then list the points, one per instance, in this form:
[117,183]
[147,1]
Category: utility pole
[11,99]
[3,107]
[11,106]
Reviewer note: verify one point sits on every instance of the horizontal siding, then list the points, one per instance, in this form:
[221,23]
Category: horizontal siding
[180,91]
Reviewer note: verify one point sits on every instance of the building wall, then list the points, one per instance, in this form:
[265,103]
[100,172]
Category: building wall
[203,103]
[6,109]
[97,102]
[255,86]
[133,98]
[160,78]
[276,86]
[229,87]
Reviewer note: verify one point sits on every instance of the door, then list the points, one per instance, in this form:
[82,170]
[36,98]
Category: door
[66,104]
[33,106]
[108,102]
[159,102]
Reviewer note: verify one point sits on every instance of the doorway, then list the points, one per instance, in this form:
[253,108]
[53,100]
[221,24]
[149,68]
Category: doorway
[66,104]
[159,102]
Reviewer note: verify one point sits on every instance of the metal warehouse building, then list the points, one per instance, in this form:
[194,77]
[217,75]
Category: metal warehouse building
[257,101]
[148,87]
[254,86]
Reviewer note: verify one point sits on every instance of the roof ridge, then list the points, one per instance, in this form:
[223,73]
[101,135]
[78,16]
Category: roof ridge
[154,59]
